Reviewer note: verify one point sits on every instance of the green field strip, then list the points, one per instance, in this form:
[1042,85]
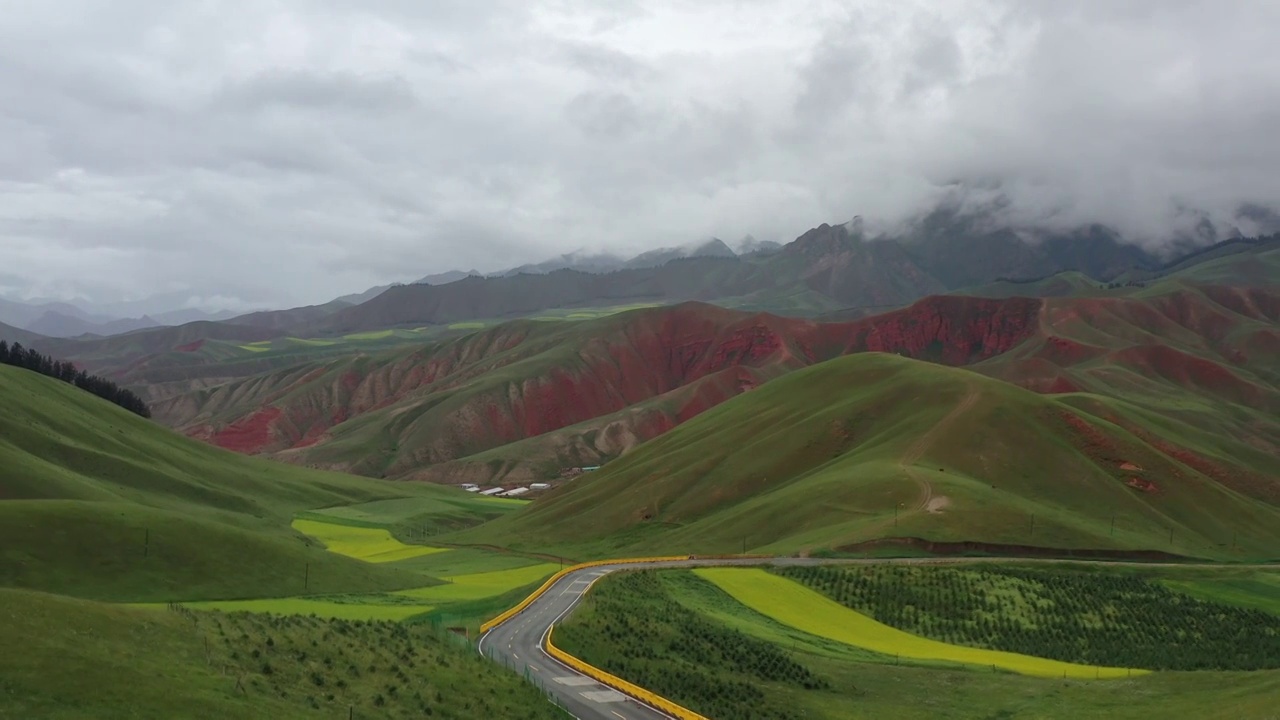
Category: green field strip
[795,605]
[481,585]
[307,606]
[373,545]
[1261,591]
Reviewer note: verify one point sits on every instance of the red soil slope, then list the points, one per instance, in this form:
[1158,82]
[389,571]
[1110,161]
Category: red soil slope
[525,379]
[591,390]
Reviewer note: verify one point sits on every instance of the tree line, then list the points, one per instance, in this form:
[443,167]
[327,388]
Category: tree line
[30,359]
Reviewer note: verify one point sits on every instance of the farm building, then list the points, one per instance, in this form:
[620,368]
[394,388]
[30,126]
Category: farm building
[540,486]
[493,491]
[515,491]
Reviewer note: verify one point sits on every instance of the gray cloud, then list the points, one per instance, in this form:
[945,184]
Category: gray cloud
[287,152]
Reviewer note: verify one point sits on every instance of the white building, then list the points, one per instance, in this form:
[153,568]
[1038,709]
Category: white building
[516,491]
[493,491]
[540,486]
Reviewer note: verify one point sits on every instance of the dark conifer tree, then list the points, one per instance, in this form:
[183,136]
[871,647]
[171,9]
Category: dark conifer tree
[30,359]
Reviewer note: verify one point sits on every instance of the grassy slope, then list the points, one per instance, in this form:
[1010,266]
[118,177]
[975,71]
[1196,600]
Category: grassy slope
[863,684]
[87,659]
[1195,365]
[97,502]
[797,606]
[1069,283]
[821,457]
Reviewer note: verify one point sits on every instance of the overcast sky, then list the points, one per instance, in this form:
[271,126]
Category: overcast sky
[278,152]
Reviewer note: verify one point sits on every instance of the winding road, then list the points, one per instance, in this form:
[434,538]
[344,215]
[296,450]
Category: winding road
[519,643]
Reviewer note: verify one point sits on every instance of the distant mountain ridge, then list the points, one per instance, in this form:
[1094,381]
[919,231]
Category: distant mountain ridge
[67,320]
[832,266]
[55,324]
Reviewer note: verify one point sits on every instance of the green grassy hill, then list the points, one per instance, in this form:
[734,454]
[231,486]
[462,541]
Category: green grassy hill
[99,503]
[85,659]
[1195,371]
[872,446]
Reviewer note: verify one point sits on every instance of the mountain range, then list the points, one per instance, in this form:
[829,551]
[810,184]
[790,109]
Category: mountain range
[519,376]
[67,320]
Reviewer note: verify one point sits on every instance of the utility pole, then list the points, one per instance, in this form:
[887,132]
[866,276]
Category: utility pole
[146,542]
[1113,524]
[306,576]
[1033,524]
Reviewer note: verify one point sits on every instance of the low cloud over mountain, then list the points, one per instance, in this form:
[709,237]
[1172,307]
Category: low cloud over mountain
[287,153]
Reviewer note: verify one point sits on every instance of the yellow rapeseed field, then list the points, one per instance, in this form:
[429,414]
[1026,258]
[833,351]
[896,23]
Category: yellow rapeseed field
[373,545]
[793,604]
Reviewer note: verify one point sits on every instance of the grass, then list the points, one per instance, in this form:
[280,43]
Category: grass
[1259,590]
[632,627]
[86,659]
[466,561]
[96,502]
[850,450]
[482,585]
[1080,616]
[371,335]
[453,595]
[866,684]
[793,604]
[419,517]
[359,609]
[374,545]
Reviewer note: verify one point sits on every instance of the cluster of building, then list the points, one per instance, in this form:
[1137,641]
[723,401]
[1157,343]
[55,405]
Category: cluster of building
[567,473]
[503,492]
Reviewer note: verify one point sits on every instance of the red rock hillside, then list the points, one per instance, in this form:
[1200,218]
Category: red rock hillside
[396,414]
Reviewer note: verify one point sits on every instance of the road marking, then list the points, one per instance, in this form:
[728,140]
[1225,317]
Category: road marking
[605,696]
[624,717]
[574,680]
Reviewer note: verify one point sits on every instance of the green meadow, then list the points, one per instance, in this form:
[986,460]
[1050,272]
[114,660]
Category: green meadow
[792,604]
[114,529]
[772,648]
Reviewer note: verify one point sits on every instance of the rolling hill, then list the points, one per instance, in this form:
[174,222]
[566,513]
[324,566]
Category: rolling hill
[521,401]
[830,272]
[832,267]
[99,503]
[620,379]
[100,509]
[856,449]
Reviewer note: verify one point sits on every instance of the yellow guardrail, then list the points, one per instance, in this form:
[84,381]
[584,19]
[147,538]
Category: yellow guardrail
[617,683]
[507,615]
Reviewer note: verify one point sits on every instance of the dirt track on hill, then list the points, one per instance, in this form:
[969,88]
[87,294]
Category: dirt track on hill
[917,449]
[928,502]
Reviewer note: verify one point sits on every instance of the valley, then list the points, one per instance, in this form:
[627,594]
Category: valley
[867,503]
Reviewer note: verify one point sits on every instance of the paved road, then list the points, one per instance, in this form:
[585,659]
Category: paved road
[519,645]
[519,642]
